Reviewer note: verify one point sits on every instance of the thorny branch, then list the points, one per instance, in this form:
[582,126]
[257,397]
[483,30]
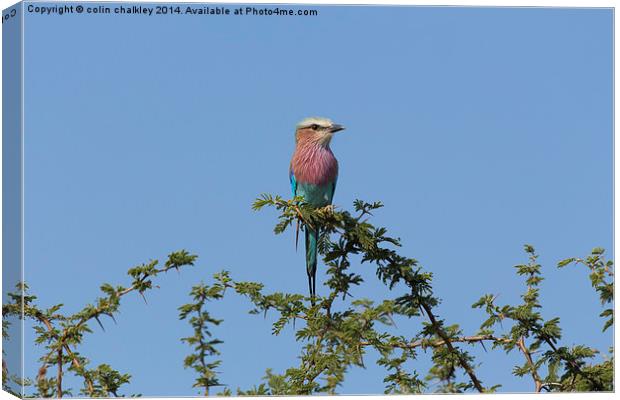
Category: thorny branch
[448,344]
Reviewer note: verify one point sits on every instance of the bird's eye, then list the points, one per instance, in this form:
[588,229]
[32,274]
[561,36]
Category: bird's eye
[315,127]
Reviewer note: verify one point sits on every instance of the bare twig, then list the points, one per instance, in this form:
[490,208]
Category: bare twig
[528,357]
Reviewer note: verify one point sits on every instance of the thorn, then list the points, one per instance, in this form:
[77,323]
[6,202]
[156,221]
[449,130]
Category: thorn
[483,346]
[144,298]
[100,324]
[113,319]
[392,320]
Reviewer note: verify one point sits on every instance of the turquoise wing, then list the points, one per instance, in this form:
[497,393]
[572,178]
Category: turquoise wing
[333,190]
[291,177]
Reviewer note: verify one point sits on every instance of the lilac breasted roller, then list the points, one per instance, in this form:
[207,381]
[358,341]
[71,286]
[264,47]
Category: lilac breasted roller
[313,174]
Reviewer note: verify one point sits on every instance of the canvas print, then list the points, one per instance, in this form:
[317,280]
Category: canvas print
[205,199]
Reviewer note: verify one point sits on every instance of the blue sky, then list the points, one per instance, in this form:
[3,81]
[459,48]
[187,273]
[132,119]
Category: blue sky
[480,129]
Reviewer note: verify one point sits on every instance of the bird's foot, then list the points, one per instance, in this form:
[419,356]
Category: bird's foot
[329,209]
[299,214]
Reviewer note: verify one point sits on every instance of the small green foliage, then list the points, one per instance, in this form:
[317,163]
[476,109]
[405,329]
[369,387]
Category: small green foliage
[203,345]
[528,324]
[62,334]
[601,277]
[338,329]
[340,338]
[336,341]
[107,381]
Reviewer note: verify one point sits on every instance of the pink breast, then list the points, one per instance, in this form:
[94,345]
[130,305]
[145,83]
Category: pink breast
[314,164]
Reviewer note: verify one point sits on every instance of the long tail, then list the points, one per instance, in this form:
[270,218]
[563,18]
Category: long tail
[312,236]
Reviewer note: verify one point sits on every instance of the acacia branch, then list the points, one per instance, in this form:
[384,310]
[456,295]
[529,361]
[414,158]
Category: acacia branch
[202,345]
[120,294]
[596,383]
[74,360]
[537,330]
[528,357]
[451,348]
[78,366]
[440,342]
[59,375]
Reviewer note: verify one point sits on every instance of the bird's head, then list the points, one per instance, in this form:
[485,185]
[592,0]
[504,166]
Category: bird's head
[316,130]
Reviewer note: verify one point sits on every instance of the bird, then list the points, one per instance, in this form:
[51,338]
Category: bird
[313,174]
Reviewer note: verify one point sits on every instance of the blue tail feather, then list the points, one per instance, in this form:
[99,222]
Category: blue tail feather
[311,255]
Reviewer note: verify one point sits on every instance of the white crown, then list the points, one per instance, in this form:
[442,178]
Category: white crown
[322,122]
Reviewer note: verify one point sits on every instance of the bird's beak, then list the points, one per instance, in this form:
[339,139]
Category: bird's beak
[336,128]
